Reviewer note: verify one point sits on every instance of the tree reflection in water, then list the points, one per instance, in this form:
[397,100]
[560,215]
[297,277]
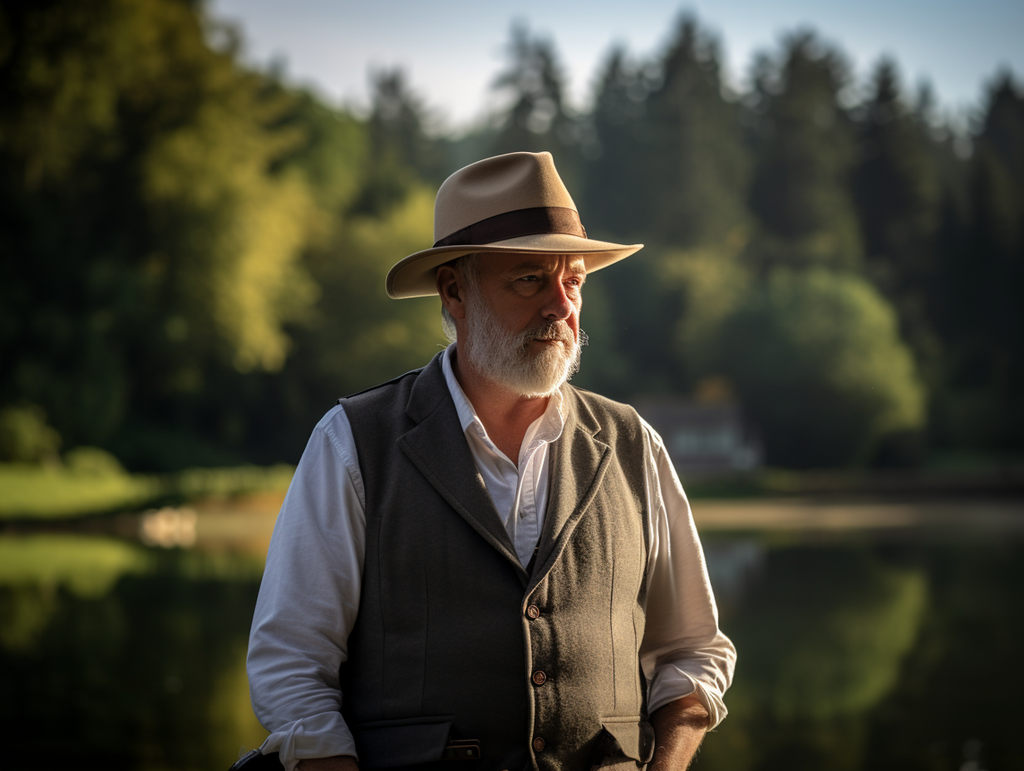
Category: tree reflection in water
[118,656]
[873,656]
[853,655]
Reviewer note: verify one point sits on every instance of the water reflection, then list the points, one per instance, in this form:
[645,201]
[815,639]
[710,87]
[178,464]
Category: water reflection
[119,656]
[856,652]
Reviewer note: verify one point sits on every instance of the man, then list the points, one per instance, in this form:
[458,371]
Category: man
[478,566]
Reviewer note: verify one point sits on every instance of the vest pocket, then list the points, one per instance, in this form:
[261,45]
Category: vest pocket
[405,742]
[630,736]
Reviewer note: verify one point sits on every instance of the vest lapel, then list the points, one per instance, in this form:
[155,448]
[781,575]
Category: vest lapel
[578,464]
[437,447]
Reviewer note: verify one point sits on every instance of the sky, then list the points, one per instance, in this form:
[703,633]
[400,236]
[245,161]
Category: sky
[452,50]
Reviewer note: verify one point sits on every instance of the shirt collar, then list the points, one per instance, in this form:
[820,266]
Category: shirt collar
[548,426]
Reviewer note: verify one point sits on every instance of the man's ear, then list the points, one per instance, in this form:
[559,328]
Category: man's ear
[451,290]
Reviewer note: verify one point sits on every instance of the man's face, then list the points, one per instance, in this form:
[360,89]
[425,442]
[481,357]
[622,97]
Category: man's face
[522,320]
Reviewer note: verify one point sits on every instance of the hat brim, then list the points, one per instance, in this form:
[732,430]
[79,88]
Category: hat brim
[415,275]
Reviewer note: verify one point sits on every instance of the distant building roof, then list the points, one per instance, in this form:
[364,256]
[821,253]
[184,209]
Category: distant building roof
[703,437]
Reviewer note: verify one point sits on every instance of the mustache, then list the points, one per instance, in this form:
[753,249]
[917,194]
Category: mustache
[555,330]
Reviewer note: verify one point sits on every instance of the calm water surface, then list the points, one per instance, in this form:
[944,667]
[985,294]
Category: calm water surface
[881,648]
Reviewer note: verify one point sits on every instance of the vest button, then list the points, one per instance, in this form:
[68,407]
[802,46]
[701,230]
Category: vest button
[538,744]
[539,678]
[533,612]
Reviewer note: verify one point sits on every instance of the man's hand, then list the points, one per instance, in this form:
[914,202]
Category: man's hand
[337,763]
[679,727]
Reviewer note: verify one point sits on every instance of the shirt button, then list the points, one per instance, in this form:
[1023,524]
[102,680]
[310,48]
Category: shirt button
[538,744]
[533,612]
[539,678]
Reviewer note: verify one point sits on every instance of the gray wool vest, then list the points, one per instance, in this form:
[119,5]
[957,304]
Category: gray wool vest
[458,651]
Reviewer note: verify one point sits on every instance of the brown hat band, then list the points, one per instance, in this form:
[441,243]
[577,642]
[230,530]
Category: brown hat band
[513,224]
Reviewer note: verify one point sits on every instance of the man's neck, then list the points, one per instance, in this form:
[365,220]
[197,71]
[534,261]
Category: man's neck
[506,415]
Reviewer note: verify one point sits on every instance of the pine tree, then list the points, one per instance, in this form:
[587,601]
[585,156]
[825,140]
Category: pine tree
[538,117]
[672,168]
[898,192]
[896,186]
[617,194]
[805,148]
[695,166]
[981,281]
[399,148]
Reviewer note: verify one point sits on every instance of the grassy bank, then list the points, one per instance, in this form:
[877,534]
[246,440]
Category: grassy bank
[56,492]
[83,489]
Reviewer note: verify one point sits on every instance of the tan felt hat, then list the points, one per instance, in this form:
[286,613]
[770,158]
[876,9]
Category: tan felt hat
[510,203]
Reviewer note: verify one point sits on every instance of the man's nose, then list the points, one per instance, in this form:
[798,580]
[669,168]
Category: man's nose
[558,305]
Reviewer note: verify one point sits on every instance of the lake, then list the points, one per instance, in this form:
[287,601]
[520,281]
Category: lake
[871,635]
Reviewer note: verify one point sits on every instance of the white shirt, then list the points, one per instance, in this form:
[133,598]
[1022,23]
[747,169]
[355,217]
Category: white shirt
[513,487]
[309,597]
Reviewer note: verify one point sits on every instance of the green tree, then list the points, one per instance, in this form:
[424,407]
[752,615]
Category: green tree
[819,366]
[371,209]
[359,336]
[25,436]
[670,171]
[613,202]
[537,117]
[998,235]
[804,144]
[332,155]
[158,247]
[896,186]
[669,166]
[696,166]
[976,297]
[400,153]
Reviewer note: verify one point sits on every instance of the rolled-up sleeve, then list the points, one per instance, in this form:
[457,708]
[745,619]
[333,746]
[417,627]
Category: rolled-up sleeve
[683,651]
[309,600]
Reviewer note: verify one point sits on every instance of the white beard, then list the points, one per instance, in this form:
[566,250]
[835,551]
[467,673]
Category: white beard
[504,357]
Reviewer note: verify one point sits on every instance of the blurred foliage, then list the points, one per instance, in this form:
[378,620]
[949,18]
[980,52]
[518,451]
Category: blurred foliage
[818,364]
[25,435]
[537,117]
[201,248]
[669,164]
[156,246]
[93,461]
[804,144]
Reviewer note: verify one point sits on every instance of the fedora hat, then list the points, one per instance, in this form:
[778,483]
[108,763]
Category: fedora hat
[514,203]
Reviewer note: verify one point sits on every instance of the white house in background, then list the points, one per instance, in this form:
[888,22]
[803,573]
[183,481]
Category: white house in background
[703,437]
